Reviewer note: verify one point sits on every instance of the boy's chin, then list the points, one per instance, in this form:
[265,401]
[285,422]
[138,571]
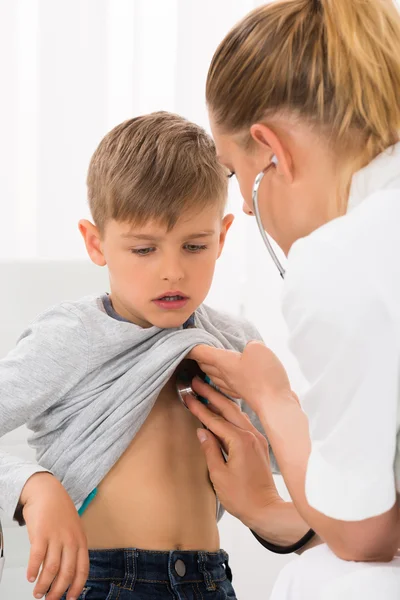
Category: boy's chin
[170,320]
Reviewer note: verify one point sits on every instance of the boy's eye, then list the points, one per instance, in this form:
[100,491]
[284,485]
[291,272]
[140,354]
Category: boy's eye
[231,174]
[142,251]
[195,247]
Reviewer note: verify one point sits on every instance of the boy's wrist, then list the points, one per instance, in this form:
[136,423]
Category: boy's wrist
[30,485]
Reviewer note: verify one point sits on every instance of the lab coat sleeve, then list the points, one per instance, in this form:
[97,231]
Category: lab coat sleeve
[342,333]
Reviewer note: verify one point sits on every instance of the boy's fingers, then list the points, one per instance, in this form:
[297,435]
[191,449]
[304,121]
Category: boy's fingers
[50,569]
[66,573]
[36,558]
[81,574]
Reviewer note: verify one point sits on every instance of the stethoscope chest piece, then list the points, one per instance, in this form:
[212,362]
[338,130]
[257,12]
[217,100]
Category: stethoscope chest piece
[186,372]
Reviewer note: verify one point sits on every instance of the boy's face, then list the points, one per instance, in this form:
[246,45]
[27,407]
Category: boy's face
[159,277]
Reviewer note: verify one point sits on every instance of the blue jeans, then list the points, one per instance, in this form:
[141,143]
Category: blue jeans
[131,574]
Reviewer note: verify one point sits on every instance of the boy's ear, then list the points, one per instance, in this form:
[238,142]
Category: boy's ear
[226,225]
[92,239]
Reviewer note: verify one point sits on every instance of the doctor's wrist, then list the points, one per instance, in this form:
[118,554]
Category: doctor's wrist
[279,523]
[271,406]
[257,514]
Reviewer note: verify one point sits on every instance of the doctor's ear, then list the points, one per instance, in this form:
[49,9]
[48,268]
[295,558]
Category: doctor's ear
[267,141]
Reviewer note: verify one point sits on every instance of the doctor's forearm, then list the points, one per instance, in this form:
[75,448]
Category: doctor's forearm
[287,429]
[280,523]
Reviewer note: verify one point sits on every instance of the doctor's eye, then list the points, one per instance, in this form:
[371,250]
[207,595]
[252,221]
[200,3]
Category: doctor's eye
[231,174]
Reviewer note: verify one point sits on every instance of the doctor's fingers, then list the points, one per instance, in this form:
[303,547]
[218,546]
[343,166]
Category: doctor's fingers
[221,408]
[215,360]
[224,387]
[226,408]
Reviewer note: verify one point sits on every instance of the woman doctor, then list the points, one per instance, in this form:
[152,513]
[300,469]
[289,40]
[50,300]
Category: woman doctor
[307,92]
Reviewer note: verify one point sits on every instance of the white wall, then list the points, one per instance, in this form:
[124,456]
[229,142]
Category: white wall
[72,69]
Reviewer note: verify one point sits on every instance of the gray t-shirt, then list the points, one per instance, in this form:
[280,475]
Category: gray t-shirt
[85,382]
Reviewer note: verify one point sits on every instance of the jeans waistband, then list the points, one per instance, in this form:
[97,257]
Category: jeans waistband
[125,566]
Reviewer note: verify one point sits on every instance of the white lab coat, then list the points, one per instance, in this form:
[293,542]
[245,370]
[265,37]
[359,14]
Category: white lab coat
[341,303]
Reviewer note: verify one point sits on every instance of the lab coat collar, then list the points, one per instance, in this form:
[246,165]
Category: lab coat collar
[382,173]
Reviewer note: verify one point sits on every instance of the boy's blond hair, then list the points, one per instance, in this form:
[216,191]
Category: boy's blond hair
[154,167]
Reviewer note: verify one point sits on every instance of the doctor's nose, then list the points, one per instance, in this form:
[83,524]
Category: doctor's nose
[247,210]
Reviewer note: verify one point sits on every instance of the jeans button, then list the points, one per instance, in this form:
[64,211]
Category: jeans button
[180,568]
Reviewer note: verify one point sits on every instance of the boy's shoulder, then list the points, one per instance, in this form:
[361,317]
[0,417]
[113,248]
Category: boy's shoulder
[232,331]
[67,321]
[75,310]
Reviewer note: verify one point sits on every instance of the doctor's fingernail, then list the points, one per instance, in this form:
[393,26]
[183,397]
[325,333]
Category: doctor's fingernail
[202,435]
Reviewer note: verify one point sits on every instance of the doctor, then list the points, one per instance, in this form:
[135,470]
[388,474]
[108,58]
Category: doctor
[307,92]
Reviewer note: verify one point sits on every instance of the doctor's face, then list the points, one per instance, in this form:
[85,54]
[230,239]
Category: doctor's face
[295,196]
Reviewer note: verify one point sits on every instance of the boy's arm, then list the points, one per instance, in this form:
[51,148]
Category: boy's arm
[49,359]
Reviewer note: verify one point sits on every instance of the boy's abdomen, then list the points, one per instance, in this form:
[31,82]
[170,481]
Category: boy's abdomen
[158,495]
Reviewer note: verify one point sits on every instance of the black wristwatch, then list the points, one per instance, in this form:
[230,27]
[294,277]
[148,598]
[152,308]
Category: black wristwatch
[284,549]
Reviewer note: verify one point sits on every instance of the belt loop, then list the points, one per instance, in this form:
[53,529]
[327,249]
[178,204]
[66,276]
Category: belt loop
[130,569]
[228,570]
[210,585]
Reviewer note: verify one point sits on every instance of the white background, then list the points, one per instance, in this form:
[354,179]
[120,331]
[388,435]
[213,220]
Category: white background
[70,71]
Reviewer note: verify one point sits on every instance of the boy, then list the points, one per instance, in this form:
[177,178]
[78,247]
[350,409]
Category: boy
[95,380]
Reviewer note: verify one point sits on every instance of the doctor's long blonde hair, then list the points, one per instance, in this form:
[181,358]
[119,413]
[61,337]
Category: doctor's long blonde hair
[334,63]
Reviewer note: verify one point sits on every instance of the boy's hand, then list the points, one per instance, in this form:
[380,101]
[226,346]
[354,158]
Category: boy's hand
[58,542]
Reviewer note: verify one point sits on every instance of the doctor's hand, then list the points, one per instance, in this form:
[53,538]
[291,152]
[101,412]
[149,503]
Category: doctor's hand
[244,483]
[256,375]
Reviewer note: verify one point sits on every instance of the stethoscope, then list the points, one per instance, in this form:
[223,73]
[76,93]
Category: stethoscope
[256,186]
[190,368]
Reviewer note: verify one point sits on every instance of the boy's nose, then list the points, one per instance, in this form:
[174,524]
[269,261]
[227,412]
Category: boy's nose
[172,271]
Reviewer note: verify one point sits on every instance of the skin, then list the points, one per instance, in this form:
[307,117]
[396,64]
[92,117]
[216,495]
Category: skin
[295,199]
[182,259]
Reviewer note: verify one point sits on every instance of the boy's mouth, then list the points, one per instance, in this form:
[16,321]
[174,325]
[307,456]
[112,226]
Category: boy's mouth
[171,301]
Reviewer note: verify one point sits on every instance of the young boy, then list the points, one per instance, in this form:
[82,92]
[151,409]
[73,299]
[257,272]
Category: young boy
[95,381]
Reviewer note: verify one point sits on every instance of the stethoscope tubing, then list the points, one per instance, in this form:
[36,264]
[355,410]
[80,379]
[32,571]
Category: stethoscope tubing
[257,215]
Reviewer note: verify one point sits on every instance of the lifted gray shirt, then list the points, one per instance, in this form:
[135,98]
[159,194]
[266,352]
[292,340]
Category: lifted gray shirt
[85,382]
